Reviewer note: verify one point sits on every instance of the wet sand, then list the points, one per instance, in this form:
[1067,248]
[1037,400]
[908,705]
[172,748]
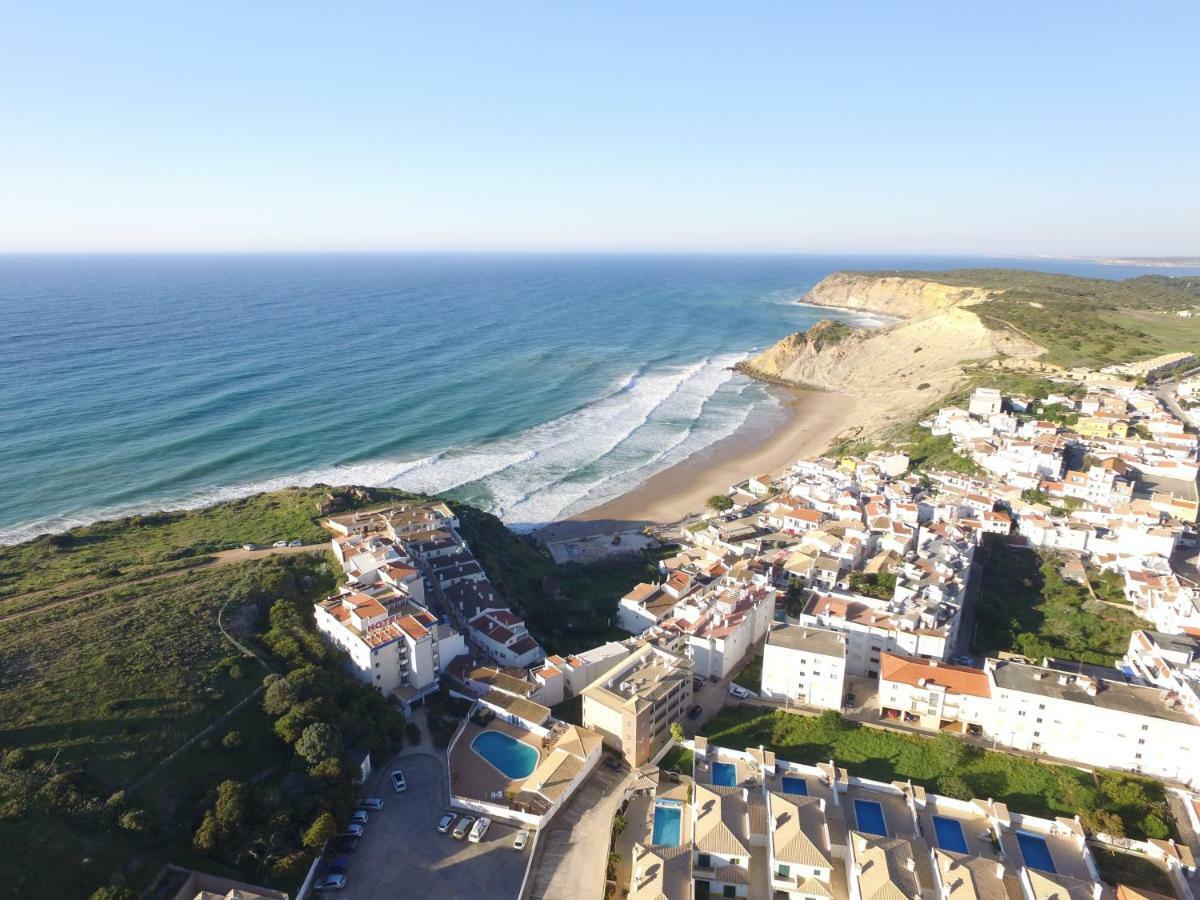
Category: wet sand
[771,439]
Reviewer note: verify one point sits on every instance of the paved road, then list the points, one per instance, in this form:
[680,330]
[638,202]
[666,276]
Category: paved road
[402,855]
[572,851]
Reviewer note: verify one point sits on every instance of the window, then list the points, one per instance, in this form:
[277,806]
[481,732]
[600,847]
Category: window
[704,861]
[730,891]
[784,870]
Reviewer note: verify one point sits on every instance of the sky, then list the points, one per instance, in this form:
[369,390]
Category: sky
[1051,128]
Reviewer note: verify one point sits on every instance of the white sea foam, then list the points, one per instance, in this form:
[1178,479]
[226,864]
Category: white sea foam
[644,423]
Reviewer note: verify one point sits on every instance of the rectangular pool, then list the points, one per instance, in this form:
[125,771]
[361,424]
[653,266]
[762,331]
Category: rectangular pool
[724,774]
[869,816]
[1036,852]
[668,816]
[794,785]
[950,834]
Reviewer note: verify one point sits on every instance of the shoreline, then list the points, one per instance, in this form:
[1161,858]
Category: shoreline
[804,424]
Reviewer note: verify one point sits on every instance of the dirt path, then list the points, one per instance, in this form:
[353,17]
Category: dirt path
[221,558]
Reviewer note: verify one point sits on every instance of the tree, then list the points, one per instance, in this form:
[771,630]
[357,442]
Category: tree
[319,741]
[1103,821]
[323,829]
[291,724]
[412,731]
[232,740]
[119,892]
[720,502]
[232,806]
[208,833]
[280,696]
[954,786]
[677,733]
[949,752]
[135,820]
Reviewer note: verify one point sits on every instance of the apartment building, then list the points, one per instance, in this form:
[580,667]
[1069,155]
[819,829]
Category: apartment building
[805,666]
[634,703]
[933,695]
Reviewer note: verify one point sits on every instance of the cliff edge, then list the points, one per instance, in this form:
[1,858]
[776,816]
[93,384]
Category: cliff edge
[898,371]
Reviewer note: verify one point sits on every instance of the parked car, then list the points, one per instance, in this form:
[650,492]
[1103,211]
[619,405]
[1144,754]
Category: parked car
[337,866]
[521,840]
[354,830]
[360,816]
[344,844]
[370,803]
[398,782]
[612,763]
[849,701]
[695,712]
[697,683]
[330,883]
[463,826]
[479,830]
[279,544]
[446,822]
[738,691]
[295,543]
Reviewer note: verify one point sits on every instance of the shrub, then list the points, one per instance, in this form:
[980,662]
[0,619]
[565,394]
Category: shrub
[719,503]
[413,733]
[232,740]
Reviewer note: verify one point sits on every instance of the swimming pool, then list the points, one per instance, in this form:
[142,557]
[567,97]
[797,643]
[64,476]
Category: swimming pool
[1036,852]
[724,774]
[512,757]
[869,816]
[950,834]
[794,785]
[668,816]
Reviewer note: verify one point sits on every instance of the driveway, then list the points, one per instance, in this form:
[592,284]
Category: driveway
[402,855]
[573,849]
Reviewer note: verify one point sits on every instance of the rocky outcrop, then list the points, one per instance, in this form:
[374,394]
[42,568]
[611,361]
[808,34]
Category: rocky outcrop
[898,371]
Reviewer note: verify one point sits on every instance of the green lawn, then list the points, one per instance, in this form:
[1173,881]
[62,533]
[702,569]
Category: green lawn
[1026,606]
[1135,871]
[678,759]
[947,765]
[751,675]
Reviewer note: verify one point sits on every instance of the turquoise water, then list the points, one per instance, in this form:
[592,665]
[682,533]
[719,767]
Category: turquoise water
[512,757]
[724,774]
[1036,852]
[869,816]
[535,386]
[950,834]
[668,823]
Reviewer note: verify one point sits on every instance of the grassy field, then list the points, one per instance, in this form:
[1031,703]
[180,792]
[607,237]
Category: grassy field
[1084,321]
[1026,607]
[948,766]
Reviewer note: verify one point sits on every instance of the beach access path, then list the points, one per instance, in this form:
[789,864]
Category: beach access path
[220,558]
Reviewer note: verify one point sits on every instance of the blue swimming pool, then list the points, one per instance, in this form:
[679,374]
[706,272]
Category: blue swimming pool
[512,757]
[794,785]
[1036,852]
[668,816]
[869,816]
[724,774]
[950,834]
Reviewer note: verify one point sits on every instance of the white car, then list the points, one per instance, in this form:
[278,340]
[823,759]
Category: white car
[295,543]
[249,546]
[479,829]
[359,816]
[738,691]
[370,803]
[399,785]
[279,544]
[354,830]
[463,826]
[521,840]
[330,883]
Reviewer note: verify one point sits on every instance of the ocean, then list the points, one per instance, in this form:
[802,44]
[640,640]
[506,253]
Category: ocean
[535,386]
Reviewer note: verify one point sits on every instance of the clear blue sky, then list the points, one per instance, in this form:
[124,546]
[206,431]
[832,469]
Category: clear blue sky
[1058,128]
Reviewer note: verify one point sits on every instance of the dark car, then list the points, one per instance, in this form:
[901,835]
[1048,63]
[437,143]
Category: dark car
[613,763]
[345,845]
[849,701]
[339,865]
[694,712]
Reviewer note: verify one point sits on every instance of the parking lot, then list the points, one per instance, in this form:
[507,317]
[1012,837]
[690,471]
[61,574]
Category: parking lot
[402,855]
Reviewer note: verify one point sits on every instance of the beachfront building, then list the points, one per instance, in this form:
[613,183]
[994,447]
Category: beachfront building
[804,665]
[633,704]
[871,629]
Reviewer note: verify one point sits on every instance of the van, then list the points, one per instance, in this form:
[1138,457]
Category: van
[479,830]
[464,824]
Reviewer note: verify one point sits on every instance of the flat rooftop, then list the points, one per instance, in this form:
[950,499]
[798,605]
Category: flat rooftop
[810,640]
[1129,698]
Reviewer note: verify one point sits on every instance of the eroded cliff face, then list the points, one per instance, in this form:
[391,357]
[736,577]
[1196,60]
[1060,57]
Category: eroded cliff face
[905,298]
[898,371]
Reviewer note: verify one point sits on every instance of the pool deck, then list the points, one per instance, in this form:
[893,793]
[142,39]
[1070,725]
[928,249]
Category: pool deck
[703,772]
[1068,860]
[974,823]
[640,815]
[472,776]
[895,810]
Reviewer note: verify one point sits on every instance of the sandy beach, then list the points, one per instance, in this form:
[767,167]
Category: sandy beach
[804,424]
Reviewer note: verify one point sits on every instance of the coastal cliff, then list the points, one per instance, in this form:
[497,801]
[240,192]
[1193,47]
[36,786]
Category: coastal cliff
[897,371]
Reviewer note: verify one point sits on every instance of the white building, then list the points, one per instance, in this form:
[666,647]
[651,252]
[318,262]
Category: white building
[805,666]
